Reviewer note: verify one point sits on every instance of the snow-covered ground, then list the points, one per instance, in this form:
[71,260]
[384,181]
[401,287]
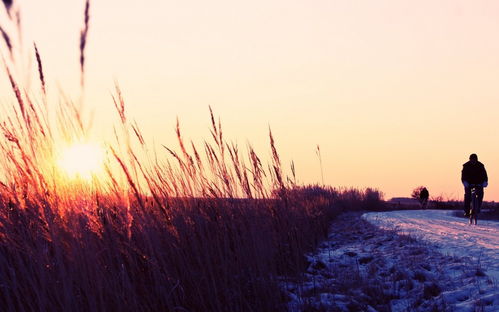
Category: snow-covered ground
[449,234]
[415,260]
[452,236]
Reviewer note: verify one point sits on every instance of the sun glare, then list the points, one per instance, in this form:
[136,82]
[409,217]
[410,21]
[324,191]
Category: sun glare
[82,160]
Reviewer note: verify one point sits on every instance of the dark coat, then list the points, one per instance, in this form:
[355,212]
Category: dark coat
[424,194]
[474,173]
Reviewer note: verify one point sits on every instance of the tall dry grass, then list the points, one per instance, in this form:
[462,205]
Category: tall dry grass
[196,228]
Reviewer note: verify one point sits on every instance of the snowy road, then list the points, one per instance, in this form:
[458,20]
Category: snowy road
[450,234]
[443,264]
[477,245]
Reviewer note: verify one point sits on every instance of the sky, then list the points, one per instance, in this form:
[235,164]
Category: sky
[397,94]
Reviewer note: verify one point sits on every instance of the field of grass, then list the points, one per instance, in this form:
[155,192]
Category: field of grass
[209,254]
[200,228]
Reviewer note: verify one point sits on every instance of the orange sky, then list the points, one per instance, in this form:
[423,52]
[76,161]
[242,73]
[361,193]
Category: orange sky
[396,93]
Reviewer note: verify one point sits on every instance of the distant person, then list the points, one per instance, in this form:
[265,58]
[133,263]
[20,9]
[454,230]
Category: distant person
[423,197]
[473,174]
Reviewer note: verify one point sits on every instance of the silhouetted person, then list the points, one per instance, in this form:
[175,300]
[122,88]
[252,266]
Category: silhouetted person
[423,197]
[473,173]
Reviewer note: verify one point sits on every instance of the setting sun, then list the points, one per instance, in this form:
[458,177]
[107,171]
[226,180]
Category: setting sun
[81,160]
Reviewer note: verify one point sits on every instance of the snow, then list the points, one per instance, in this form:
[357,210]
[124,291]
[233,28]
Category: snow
[448,233]
[412,260]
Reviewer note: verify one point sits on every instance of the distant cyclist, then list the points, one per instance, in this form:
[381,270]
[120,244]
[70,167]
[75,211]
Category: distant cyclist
[473,174]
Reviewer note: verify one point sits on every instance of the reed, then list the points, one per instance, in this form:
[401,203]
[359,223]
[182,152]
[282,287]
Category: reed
[83,40]
[40,70]
[205,227]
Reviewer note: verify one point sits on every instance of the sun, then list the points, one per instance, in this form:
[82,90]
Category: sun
[82,160]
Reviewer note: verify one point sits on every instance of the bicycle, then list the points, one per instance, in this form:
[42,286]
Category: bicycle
[475,202]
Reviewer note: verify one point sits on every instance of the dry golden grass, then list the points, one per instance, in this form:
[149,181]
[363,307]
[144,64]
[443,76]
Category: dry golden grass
[204,228]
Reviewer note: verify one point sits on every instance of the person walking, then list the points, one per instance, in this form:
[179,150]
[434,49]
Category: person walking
[423,197]
[473,174]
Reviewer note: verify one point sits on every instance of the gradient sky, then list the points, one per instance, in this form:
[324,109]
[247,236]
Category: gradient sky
[396,93]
